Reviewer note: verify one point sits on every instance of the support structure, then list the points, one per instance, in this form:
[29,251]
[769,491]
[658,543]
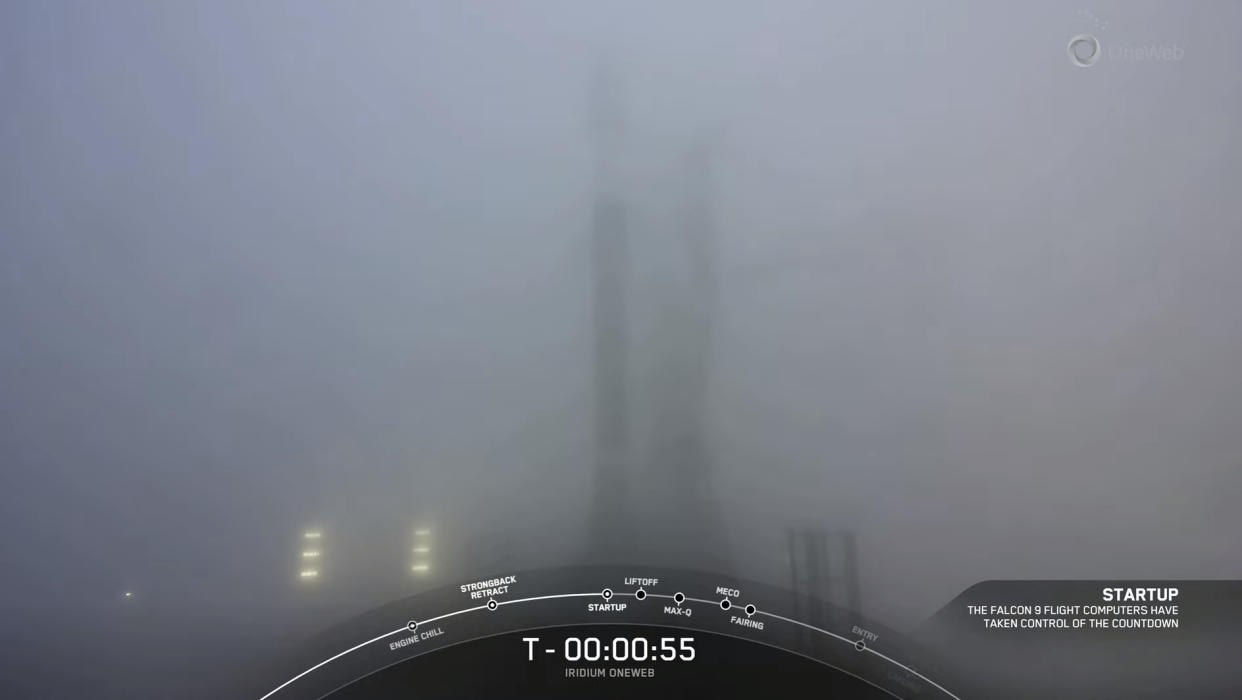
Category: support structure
[610,261]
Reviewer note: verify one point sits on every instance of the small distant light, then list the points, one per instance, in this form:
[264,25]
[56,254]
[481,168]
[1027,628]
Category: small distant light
[422,550]
[312,535]
[310,554]
[422,532]
[309,574]
[129,594]
[420,568]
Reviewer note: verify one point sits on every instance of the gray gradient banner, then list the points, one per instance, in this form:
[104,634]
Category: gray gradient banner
[1095,639]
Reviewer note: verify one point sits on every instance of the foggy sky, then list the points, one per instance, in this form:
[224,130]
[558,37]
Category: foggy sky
[266,265]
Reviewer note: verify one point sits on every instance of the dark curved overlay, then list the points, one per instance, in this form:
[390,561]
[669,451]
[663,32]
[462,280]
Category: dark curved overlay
[463,646]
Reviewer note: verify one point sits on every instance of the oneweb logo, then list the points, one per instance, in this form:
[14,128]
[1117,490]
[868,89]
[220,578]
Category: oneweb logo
[1085,50]
[1146,52]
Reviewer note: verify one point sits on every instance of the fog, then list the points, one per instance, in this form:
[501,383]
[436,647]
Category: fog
[276,266]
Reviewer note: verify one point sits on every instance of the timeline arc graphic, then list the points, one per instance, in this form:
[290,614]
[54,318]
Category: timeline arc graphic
[617,598]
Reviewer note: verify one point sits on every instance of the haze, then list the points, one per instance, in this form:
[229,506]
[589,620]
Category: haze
[273,266]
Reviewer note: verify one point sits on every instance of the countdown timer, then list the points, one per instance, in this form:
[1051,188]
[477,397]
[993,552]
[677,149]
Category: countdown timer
[615,649]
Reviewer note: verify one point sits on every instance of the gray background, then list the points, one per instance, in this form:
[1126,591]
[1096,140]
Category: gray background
[272,265]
